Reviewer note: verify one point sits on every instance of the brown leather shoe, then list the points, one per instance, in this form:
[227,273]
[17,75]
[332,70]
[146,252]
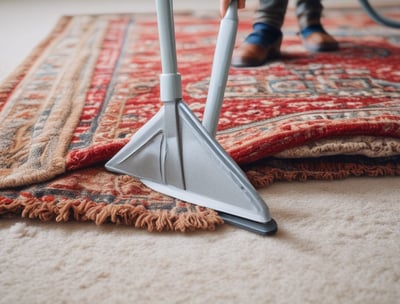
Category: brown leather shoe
[252,55]
[316,39]
[320,42]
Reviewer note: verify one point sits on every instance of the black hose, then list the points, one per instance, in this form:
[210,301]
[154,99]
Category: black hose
[377,17]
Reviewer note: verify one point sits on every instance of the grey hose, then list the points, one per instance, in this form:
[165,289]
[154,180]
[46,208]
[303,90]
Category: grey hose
[377,17]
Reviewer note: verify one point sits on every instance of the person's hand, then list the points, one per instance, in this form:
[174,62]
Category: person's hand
[223,5]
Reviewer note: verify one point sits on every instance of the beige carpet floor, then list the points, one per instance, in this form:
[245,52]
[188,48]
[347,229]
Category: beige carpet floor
[338,242]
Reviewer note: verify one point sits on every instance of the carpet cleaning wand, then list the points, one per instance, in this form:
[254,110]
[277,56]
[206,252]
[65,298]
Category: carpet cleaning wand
[176,155]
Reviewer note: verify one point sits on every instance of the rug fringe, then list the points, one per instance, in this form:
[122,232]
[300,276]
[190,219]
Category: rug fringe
[100,213]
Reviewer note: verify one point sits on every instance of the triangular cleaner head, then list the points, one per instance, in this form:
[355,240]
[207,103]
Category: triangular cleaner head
[198,171]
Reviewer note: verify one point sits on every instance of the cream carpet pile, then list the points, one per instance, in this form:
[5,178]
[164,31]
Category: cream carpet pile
[338,242]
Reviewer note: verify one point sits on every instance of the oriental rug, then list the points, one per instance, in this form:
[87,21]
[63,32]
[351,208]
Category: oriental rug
[93,82]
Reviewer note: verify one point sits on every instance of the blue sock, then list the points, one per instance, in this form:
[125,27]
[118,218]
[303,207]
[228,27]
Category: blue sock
[264,34]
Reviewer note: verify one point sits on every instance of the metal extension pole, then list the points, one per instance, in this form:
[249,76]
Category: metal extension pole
[220,68]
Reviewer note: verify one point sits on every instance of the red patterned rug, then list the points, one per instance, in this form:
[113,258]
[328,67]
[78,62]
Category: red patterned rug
[93,82]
